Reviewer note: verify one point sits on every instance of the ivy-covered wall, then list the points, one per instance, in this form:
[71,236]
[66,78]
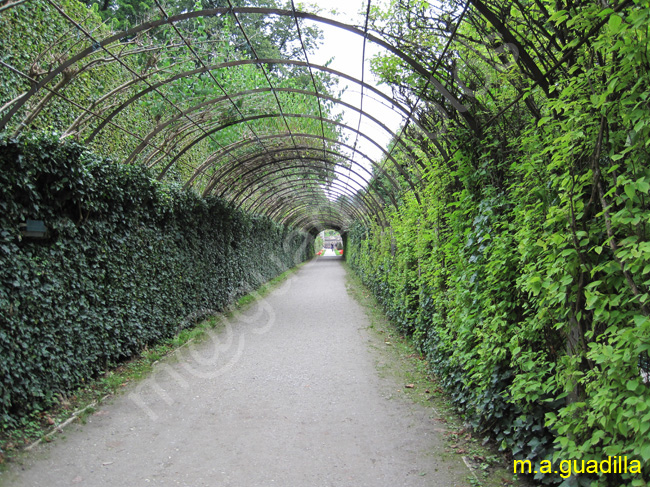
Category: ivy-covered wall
[523,272]
[126,261]
[524,276]
[548,359]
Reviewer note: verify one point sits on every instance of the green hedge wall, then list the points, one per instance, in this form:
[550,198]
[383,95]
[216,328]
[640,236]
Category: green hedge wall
[125,263]
[524,274]
[531,326]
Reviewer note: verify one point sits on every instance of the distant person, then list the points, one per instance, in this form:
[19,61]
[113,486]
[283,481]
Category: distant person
[332,247]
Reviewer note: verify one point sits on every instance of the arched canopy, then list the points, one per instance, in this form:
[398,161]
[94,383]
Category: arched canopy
[197,96]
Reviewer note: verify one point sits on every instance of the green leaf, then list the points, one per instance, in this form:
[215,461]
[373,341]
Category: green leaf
[615,23]
[644,452]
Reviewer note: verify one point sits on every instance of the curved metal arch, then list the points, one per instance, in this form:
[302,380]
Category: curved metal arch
[294,219]
[313,227]
[243,143]
[230,175]
[265,179]
[301,203]
[372,162]
[243,62]
[276,194]
[301,208]
[254,117]
[146,141]
[455,102]
[306,195]
[308,222]
[274,161]
[290,115]
[339,189]
[303,196]
[263,196]
[160,127]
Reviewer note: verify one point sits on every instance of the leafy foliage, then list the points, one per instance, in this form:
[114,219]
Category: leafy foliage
[126,263]
[523,271]
[149,98]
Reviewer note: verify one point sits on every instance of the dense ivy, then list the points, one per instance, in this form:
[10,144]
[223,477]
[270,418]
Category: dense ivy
[524,271]
[126,262]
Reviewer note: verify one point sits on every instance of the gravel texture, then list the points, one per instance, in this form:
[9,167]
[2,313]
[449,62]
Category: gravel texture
[286,393]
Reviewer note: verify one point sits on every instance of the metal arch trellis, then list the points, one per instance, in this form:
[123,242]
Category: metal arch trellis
[225,155]
[316,220]
[305,135]
[258,199]
[171,21]
[404,128]
[259,90]
[277,198]
[306,192]
[322,120]
[314,225]
[160,127]
[351,171]
[259,196]
[198,58]
[261,67]
[268,196]
[363,72]
[75,104]
[301,201]
[99,45]
[231,169]
[558,64]
[205,130]
[300,209]
[276,161]
[311,73]
[309,219]
[288,115]
[229,64]
[185,113]
[371,204]
[298,162]
[220,11]
[375,203]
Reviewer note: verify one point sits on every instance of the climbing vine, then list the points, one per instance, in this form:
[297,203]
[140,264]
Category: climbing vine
[524,272]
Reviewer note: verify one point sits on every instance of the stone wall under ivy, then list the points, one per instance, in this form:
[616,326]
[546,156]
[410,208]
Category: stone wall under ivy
[126,261]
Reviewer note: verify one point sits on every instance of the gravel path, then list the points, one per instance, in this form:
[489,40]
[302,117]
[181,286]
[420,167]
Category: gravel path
[285,394]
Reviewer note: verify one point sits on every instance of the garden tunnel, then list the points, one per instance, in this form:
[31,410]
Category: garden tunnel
[488,174]
[234,123]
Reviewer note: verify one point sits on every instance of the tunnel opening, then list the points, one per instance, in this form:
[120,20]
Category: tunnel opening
[329,242]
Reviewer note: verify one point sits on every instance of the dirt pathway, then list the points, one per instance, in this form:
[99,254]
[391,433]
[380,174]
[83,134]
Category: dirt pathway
[285,394]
